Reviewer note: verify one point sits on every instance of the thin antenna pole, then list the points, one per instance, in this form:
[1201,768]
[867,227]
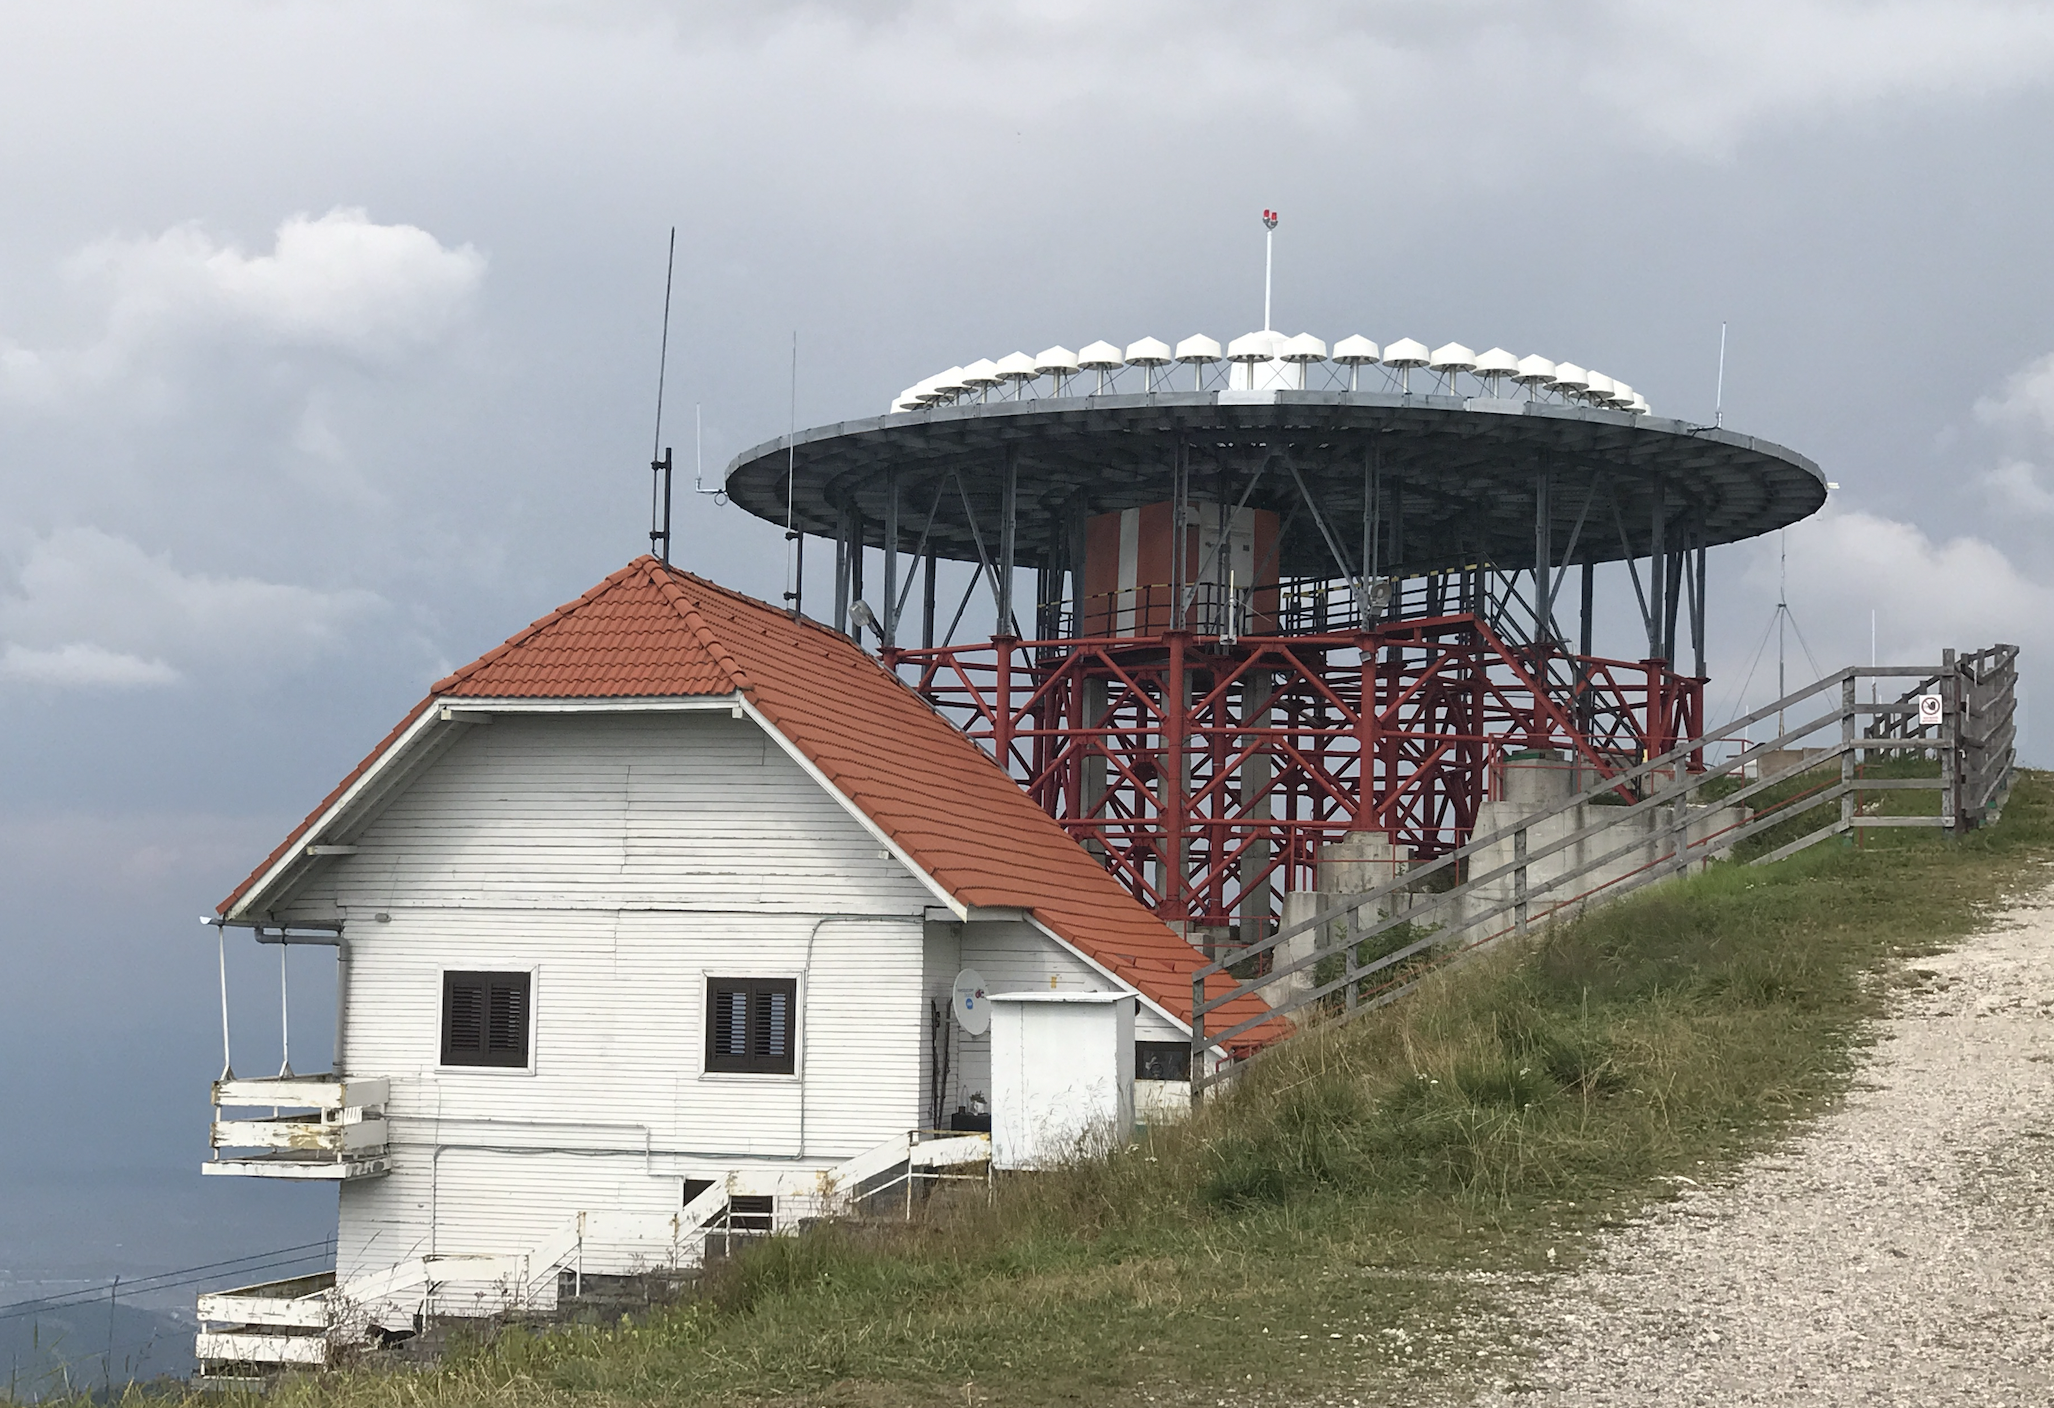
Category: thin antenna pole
[698,449]
[659,458]
[1719,396]
[284,1009]
[795,547]
[1269,249]
[1782,613]
[1872,654]
[227,1065]
[107,1369]
[666,506]
[663,348]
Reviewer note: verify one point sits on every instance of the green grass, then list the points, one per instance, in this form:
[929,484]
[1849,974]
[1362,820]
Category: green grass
[1320,1226]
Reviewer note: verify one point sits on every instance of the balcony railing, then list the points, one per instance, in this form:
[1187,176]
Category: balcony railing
[318,1127]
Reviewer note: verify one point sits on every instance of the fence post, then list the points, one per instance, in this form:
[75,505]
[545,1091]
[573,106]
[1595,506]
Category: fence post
[1195,1070]
[1519,880]
[1679,824]
[1950,756]
[1968,735]
[1848,696]
[1351,933]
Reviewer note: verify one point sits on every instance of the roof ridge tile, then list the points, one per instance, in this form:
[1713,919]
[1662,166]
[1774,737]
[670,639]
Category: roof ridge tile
[664,575]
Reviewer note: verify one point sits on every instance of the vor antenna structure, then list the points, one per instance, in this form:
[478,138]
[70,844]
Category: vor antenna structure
[1263,602]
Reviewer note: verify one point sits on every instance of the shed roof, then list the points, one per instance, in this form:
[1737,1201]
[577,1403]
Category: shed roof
[654,631]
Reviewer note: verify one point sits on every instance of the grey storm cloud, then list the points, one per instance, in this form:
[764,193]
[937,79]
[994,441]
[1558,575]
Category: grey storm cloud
[95,610]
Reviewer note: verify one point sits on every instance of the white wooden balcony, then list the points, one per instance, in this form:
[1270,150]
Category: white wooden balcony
[316,1127]
[261,1329]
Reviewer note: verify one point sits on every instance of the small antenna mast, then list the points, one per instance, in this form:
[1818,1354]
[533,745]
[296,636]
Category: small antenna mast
[699,457]
[795,551]
[1269,250]
[659,468]
[1719,396]
[1782,613]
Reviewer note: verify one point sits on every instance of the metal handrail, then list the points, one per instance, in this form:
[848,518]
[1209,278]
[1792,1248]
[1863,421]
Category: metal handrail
[1966,757]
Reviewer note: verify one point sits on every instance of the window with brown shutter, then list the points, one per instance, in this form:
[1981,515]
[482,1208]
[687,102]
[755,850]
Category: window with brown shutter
[752,1025]
[485,1018]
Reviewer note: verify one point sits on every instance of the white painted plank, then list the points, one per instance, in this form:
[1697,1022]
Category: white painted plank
[261,1349]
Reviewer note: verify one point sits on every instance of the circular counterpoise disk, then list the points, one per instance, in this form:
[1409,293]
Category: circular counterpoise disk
[1460,478]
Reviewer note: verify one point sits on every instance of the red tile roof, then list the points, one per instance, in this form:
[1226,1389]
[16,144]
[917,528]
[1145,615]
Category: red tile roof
[655,631]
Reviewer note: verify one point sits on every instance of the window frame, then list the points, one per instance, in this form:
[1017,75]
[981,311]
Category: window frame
[716,1066]
[1182,1048]
[443,978]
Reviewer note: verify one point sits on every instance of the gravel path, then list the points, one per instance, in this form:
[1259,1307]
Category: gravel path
[1900,1251]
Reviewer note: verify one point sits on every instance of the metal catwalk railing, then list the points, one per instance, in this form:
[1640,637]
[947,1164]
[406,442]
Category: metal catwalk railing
[1629,830]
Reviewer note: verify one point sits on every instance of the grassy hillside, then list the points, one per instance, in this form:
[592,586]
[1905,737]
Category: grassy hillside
[1332,1223]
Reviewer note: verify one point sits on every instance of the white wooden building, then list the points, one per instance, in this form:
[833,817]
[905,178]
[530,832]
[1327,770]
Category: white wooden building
[665,894]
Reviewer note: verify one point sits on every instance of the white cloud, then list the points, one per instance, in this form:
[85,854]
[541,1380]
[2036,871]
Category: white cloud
[82,665]
[93,610]
[2015,486]
[2021,415]
[1597,74]
[1961,592]
[2026,402]
[340,281]
[1703,76]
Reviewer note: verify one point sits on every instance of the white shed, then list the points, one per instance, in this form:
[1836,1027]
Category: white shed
[1062,1075]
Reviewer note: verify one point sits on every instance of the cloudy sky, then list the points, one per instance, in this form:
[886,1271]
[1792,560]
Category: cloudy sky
[327,344]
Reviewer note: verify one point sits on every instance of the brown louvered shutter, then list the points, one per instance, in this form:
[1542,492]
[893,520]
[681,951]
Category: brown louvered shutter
[485,1018]
[752,1025]
[463,1019]
[770,1023]
[730,1022]
[506,1029]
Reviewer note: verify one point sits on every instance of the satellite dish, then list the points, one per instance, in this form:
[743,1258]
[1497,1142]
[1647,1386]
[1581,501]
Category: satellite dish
[966,1000]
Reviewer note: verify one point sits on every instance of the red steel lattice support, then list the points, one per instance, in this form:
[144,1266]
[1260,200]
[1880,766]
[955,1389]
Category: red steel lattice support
[1205,772]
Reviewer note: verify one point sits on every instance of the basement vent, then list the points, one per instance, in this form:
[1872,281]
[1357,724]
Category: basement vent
[749,1213]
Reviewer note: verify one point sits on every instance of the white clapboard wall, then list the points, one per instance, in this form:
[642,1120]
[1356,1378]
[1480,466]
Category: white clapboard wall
[623,859]
[1011,956]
